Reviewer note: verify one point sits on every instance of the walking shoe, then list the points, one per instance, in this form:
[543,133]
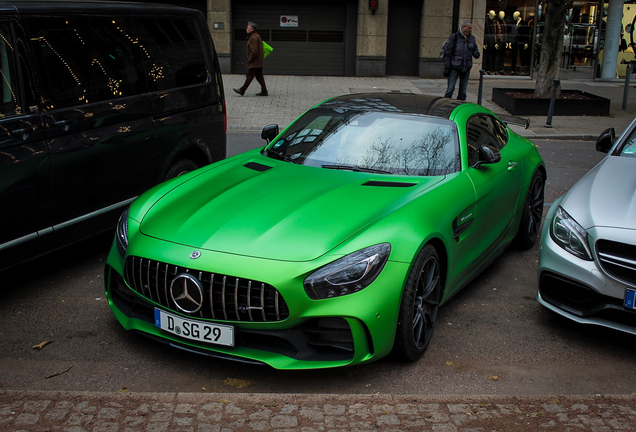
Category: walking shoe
[238,91]
[262,93]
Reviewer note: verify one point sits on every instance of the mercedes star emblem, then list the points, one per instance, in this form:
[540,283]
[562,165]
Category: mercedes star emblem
[187,293]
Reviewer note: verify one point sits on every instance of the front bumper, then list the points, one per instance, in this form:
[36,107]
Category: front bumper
[347,330]
[581,290]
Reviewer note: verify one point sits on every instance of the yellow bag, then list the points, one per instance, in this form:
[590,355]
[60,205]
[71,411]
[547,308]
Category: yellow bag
[266,49]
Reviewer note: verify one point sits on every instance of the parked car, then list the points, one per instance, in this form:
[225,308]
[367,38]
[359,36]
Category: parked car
[335,243]
[587,263]
[99,102]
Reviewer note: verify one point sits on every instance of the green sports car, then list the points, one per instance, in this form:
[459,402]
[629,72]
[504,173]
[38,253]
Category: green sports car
[336,243]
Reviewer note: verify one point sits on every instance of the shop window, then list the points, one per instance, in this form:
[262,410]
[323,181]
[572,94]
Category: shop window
[508,37]
[513,36]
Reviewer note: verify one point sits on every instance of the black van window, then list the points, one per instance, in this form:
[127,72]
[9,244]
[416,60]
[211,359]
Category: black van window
[9,89]
[85,60]
[173,53]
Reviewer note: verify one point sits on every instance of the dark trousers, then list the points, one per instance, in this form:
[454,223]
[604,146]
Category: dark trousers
[463,83]
[251,74]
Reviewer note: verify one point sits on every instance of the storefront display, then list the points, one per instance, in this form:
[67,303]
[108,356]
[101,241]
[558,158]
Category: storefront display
[513,30]
[508,34]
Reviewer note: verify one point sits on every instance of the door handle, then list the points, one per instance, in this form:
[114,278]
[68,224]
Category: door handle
[64,124]
[24,131]
[512,165]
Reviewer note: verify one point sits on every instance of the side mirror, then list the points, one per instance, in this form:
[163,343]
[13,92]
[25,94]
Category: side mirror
[606,140]
[488,155]
[269,132]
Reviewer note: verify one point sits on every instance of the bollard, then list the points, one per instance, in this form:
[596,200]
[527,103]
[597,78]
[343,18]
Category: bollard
[628,73]
[555,86]
[481,86]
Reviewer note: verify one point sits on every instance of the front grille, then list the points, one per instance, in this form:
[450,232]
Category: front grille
[225,297]
[618,260]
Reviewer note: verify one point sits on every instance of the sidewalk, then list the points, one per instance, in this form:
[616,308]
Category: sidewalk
[224,412]
[290,96]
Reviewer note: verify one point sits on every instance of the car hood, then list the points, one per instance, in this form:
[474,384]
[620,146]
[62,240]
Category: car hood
[605,195]
[270,209]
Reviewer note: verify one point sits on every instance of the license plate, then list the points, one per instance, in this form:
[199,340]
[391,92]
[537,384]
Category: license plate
[200,331]
[630,298]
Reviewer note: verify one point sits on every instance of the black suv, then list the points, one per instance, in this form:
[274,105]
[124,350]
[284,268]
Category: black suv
[98,102]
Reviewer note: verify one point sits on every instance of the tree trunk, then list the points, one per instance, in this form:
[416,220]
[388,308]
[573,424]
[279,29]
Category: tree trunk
[551,47]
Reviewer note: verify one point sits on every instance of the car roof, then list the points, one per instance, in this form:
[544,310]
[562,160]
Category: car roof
[395,102]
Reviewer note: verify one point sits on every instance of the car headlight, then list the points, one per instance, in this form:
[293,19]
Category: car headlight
[348,274]
[571,236]
[121,234]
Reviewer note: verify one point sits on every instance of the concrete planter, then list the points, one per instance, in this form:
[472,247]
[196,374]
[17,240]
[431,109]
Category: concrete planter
[571,103]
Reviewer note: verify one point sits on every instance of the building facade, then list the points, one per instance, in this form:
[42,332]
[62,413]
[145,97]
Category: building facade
[405,37]
[340,37]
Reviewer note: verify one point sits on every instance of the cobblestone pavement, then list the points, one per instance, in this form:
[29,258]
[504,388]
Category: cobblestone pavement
[227,412]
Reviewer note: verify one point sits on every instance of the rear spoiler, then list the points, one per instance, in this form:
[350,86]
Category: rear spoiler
[517,121]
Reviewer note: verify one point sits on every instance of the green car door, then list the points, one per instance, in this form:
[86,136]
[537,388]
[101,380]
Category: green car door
[496,190]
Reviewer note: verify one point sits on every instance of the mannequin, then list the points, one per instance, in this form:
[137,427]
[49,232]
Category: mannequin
[500,42]
[519,38]
[527,55]
[489,42]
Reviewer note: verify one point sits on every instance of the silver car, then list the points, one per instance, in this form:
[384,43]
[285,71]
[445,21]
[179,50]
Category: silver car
[587,262]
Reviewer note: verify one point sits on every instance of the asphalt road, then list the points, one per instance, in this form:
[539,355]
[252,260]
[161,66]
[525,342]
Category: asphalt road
[492,339]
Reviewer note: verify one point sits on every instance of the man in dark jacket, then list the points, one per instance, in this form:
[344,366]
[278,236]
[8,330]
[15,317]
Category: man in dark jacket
[255,61]
[459,51]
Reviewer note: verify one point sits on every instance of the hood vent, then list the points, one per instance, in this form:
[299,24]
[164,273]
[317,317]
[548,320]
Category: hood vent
[257,167]
[388,184]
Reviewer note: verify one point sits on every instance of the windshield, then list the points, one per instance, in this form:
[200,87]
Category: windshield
[390,143]
[629,147]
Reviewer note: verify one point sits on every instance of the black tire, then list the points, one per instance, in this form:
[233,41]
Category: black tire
[418,311]
[530,224]
[181,167]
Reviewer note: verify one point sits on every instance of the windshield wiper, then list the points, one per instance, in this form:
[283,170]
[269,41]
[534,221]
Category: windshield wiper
[355,168]
[279,155]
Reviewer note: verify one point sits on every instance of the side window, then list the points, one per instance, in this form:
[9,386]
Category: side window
[501,132]
[113,58]
[480,131]
[84,60]
[172,51]
[9,90]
